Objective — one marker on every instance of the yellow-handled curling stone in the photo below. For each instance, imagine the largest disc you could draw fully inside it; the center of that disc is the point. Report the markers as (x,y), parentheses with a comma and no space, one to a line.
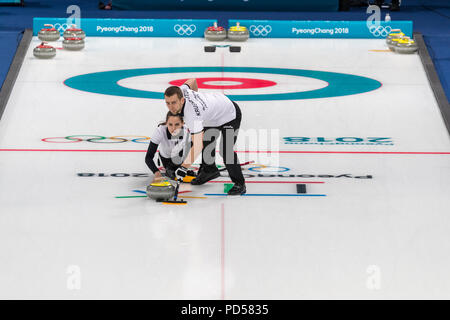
(161,191)
(238,33)
(394,44)
(406,46)
(165,191)
(390,39)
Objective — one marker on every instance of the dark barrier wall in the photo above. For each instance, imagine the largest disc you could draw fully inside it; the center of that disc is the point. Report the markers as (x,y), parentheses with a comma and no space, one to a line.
(245,5)
(10,2)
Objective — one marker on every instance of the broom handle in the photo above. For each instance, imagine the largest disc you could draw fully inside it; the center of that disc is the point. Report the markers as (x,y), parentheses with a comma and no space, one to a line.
(176,191)
(242,164)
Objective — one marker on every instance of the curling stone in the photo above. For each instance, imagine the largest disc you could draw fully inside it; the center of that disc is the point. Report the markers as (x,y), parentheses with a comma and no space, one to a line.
(74,32)
(238,33)
(44,51)
(73,43)
(49,33)
(162,191)
(396,34)
(406,46)
(215,33)
(393,43)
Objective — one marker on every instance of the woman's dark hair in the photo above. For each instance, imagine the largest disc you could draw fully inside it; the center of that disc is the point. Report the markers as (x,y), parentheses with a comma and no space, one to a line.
(168,115)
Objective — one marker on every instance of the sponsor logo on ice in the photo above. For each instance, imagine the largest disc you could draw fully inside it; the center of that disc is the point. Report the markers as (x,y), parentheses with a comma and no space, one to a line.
(385,141)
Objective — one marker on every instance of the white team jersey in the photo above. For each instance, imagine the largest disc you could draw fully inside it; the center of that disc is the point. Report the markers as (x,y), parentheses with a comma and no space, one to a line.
(170,146)
(211,109)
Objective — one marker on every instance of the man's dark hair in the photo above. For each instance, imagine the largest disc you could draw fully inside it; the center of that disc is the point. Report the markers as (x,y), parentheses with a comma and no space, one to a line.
(170,91)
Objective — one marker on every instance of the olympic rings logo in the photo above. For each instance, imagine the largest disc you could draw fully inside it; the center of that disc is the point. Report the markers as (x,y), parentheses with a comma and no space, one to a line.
(97,139)
(264,168)
(185,29)
(380,31)
(260,30)
(61,27)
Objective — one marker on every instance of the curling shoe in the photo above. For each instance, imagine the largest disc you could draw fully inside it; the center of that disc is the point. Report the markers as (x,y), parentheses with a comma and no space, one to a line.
(237,190)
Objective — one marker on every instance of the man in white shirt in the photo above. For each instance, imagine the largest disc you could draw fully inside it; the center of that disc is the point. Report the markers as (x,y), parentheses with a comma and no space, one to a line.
(206,116)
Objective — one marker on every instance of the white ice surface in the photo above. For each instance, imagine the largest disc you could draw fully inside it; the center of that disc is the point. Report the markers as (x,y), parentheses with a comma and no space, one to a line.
(261,247)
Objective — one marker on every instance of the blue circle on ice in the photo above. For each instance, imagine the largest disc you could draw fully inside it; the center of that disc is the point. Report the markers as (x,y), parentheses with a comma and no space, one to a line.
(339,84)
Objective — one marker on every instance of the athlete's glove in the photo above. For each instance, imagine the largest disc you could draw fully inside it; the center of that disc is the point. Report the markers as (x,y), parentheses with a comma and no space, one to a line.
(180,173)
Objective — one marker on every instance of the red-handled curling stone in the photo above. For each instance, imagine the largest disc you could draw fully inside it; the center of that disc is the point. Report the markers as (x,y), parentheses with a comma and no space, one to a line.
(74,31)
(44,51)
(49,33)
(215,33)
(73,43)
(216,28)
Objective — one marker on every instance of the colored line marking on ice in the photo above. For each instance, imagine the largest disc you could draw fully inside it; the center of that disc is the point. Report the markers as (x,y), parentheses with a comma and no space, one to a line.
(291,152)
(270,195)
(182,197)
(344,152)
(246,181)
(122,197)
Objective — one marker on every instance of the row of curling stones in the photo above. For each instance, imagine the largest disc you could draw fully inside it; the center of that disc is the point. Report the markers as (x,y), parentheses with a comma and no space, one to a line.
(49,33)
(398,42)
(73,41)
(235,33)
(46,51)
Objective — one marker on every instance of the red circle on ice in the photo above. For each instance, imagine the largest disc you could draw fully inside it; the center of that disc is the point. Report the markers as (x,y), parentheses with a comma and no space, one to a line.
(238,83)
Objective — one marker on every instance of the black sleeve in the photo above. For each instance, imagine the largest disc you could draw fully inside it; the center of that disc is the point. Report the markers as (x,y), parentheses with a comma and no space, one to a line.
(149,157)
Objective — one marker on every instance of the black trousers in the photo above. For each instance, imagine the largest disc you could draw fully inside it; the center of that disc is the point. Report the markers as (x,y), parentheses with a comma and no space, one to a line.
(168,164)
(229,132)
